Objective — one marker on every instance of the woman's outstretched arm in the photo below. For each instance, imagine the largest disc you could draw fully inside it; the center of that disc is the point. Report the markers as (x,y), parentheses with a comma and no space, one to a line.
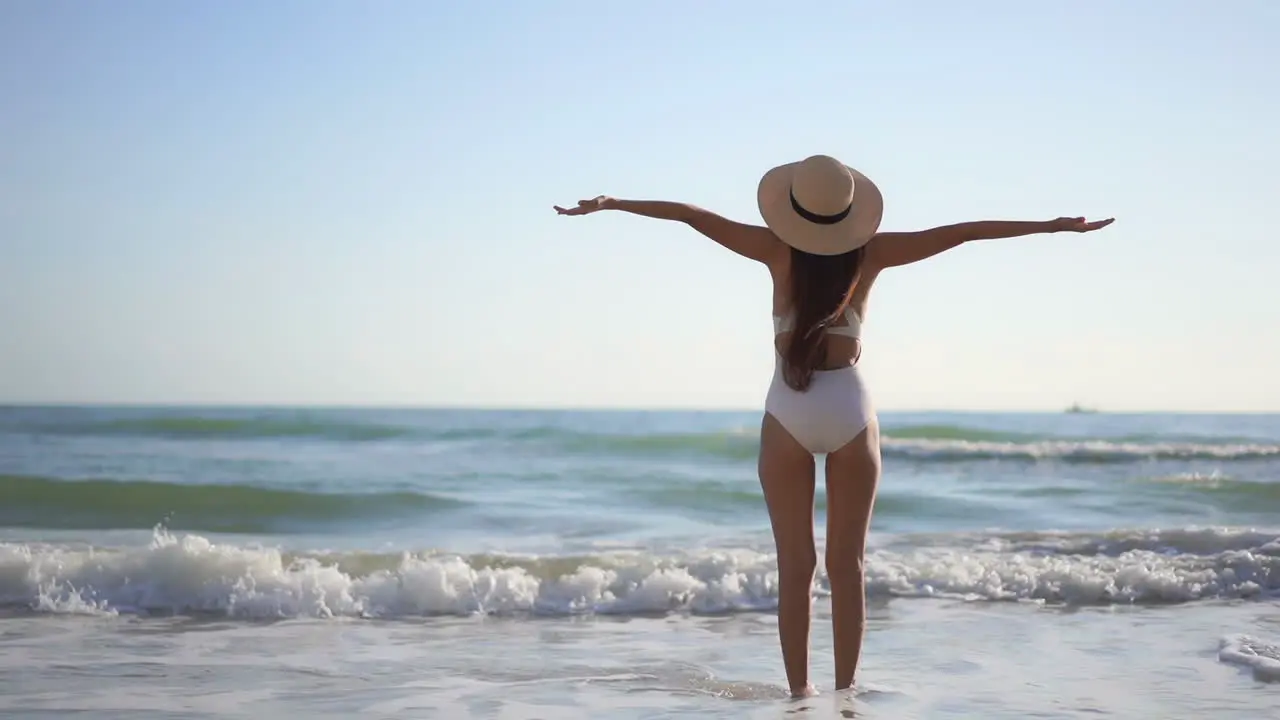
(892,249)
(751,241)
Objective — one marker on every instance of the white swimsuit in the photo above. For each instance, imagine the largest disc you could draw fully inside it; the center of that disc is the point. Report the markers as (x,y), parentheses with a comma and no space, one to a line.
(836,406)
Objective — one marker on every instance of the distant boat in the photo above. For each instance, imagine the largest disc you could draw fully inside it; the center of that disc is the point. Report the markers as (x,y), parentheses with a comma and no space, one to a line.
(1078,408)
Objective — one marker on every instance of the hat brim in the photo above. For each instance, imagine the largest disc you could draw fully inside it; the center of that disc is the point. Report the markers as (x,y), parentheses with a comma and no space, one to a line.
(773,197)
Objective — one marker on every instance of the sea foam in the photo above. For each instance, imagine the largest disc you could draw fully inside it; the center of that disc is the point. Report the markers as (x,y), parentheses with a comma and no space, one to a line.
(193,574)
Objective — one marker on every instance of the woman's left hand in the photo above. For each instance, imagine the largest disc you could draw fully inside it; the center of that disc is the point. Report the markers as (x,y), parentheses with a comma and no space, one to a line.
(1079,224)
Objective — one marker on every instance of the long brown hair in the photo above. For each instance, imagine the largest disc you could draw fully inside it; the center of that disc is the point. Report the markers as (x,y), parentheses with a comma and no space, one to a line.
(821,288)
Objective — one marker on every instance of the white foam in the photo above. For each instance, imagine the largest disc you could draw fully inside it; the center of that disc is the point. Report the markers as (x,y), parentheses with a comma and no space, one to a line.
(1262,658)
(1210,480)
(185,574)
(1077,450)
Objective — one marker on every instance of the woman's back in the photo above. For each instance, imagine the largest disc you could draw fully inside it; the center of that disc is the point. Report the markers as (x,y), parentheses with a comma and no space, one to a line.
(843,335)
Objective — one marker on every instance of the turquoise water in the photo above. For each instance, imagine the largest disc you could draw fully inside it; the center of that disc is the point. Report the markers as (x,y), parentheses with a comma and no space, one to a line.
(559,564)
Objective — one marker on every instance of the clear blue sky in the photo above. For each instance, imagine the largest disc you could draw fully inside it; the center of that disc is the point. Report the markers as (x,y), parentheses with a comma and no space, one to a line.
(350,202)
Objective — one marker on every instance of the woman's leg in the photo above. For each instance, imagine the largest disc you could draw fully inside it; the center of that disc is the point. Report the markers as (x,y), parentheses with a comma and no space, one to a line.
(787,478)
(853,472)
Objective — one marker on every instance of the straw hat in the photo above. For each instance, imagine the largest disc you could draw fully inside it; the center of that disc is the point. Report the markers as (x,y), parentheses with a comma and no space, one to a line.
(820,205)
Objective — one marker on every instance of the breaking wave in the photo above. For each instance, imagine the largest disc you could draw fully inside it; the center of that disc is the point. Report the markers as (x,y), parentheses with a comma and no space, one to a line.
(919,443)
(189,574)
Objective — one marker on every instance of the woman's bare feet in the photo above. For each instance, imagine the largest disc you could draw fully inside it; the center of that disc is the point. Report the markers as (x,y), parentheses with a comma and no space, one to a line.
(806,691)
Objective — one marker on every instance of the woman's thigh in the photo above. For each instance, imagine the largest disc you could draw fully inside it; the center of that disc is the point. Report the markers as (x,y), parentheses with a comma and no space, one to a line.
(853,476)
(787,479)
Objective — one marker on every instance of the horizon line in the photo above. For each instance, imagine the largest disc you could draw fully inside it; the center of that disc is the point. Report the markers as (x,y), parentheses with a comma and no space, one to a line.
(518,407)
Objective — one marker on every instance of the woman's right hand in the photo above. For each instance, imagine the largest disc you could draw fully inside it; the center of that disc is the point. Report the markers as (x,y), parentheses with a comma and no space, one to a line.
(599,202)
(1078,224)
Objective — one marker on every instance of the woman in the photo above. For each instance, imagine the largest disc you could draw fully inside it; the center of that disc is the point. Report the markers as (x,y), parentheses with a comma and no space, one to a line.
(823,251)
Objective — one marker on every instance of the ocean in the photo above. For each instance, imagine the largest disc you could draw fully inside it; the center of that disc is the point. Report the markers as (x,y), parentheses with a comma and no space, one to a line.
(264,563)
